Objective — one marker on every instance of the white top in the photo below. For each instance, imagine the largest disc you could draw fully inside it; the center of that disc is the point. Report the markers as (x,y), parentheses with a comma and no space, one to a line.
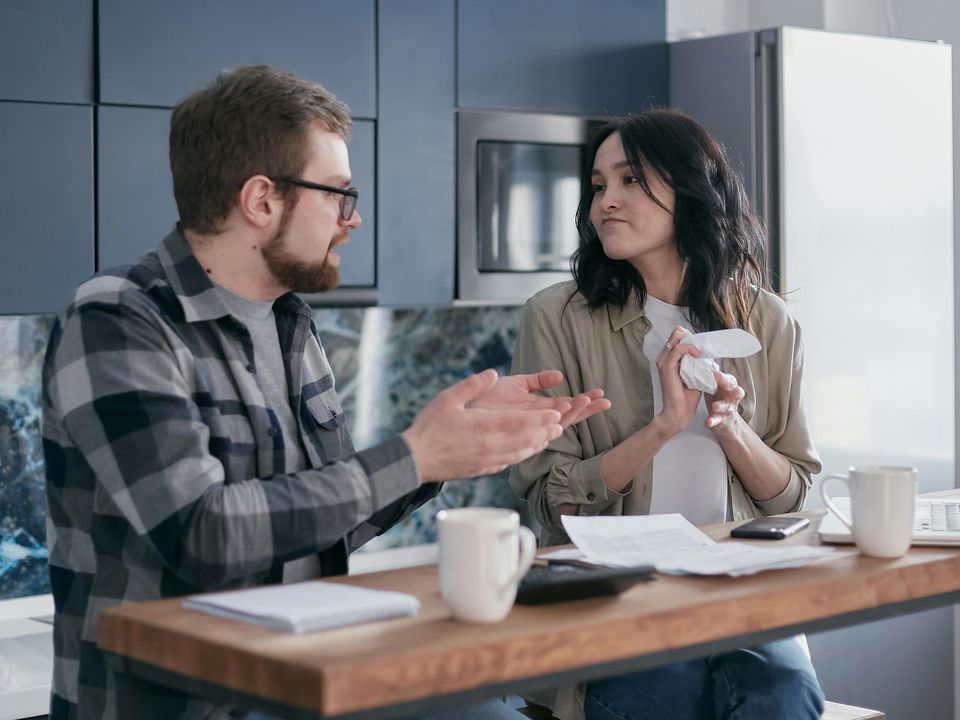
(690,471)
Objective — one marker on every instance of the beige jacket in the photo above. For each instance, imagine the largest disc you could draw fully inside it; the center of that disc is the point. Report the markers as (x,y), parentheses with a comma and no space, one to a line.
(605,349)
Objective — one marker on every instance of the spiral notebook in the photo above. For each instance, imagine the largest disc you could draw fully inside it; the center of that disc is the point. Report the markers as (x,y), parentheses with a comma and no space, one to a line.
(302,607)
(935,522)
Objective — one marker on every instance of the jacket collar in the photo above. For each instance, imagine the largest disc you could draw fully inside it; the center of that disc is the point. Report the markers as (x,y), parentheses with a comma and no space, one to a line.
(623,316)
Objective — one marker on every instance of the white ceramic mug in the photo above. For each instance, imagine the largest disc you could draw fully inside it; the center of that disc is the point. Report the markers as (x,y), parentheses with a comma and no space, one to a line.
(882,503)
(483,554)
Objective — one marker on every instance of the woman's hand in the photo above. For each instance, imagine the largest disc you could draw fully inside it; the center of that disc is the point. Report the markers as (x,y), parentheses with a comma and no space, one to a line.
(722,405)
(679,401)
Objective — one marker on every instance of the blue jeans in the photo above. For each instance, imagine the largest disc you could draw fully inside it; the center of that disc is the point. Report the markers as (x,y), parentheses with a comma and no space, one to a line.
(771,682)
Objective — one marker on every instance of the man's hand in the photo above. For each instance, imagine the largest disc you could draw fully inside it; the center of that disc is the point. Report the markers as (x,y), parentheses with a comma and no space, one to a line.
(452,438)
(517,392)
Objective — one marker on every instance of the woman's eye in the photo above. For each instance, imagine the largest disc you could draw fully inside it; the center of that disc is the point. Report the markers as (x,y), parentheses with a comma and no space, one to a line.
(597,188)
(630,180)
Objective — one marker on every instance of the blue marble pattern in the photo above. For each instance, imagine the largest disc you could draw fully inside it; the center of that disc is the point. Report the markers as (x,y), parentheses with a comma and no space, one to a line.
(388,365)
(23,555)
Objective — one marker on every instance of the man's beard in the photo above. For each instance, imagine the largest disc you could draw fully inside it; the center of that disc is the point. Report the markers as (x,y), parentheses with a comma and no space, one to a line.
(295,274)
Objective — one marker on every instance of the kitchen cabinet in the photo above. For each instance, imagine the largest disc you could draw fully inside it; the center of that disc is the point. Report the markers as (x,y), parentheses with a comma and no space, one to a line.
(135,204)
(46,50)
(416,152)
(404,67)
(154,53)
(358,256)
(46,204)
(565,56)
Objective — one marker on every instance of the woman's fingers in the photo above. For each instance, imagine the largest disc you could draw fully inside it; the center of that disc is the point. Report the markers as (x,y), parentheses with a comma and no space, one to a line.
(724,404)
(678,334)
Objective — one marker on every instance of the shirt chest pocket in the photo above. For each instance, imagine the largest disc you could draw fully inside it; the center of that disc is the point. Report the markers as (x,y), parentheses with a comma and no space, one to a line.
(330,437)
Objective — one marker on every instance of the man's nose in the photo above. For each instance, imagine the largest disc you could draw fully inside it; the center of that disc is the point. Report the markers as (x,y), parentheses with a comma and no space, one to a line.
(354,222)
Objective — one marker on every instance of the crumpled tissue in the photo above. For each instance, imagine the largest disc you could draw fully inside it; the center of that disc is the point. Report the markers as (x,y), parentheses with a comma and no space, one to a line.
(697,373)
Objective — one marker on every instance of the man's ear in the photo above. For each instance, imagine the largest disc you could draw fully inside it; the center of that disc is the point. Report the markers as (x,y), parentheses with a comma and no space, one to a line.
(259,203)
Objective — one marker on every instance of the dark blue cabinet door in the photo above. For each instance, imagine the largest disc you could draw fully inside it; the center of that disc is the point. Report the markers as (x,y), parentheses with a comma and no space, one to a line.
(135,206)
(135,201)
(570,56)
(155,53)
(358,256)
(46,204)
(46,50)
(415,160)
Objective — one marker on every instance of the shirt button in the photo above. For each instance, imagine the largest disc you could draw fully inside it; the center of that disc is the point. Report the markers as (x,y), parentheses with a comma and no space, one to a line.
(250,368)
(272,432)
(591,497)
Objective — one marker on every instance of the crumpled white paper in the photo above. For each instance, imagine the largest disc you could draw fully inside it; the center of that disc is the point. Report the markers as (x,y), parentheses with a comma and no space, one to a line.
(697,373)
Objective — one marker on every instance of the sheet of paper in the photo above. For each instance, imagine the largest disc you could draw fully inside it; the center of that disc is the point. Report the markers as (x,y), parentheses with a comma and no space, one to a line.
(674,546)
(632,539)
(732,558)
(730,343)
(564,554)
(697,373)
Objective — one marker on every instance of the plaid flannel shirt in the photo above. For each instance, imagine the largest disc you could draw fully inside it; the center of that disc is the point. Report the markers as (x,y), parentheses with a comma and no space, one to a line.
(165,468)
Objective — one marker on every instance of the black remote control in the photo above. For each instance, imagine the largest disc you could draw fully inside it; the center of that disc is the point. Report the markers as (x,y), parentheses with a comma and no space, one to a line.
(557,582)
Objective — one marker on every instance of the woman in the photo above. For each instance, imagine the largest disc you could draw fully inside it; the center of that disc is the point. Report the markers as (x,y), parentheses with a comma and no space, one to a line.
(670,246)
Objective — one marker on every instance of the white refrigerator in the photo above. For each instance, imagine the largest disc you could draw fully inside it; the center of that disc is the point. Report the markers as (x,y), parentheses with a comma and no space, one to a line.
(845,142)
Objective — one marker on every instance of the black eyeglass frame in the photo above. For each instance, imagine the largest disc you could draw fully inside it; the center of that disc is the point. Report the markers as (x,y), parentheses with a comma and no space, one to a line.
(348,203)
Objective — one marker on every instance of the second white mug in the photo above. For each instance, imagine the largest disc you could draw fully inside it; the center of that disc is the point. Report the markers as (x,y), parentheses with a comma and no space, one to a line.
(882,501)
(483,554)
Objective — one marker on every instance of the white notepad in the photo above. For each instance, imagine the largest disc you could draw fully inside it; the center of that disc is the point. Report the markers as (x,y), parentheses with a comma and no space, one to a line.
(936,522)
(301,607)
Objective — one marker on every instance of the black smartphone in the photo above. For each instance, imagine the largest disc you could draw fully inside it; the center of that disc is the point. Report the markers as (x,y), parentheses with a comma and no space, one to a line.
(770,528)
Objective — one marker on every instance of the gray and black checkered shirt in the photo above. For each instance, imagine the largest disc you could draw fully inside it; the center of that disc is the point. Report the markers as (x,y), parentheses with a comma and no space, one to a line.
(165,467)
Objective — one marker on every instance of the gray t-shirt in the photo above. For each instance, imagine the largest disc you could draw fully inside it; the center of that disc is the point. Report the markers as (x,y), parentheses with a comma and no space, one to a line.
(260,321)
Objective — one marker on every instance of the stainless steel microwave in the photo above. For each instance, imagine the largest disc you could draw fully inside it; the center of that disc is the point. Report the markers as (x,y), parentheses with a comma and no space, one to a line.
(519,179)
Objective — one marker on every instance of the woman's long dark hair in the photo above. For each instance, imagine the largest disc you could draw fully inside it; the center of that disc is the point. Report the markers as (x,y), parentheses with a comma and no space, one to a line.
(717,233)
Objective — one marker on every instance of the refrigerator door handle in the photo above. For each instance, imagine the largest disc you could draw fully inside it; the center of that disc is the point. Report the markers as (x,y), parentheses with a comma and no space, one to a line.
(767,77)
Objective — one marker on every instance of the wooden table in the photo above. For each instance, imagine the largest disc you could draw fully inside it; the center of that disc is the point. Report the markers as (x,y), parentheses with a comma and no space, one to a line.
(399,668)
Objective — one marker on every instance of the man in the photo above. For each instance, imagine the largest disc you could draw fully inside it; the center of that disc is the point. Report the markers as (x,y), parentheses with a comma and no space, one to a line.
(192,432)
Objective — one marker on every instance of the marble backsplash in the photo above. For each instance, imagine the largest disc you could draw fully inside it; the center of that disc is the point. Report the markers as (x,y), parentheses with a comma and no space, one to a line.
(388,365)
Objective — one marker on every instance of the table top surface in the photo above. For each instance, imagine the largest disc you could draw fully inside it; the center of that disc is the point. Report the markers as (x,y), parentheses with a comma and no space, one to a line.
(388,663)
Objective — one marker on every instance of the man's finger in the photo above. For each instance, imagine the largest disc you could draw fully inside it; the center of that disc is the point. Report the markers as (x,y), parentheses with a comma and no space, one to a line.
(576,408)
(470,388)
(597,406)
(513,422)
(542,380)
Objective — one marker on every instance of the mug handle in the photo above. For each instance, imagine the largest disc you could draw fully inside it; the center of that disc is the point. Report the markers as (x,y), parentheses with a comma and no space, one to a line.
(829,503)
(528,552)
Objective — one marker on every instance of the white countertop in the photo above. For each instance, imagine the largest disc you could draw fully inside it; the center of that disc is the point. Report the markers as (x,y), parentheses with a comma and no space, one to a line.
(26,657)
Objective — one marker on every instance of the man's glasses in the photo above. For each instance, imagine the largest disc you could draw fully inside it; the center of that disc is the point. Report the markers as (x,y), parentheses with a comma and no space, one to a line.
(348,196)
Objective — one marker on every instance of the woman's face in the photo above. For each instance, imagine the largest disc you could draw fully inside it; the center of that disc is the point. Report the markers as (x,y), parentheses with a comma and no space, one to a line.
(631,225)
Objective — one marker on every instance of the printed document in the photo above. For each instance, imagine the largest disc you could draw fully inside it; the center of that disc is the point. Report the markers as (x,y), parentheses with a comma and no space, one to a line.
(674,546)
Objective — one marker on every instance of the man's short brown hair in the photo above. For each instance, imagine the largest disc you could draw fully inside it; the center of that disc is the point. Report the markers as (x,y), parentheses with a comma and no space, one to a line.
(251,120)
